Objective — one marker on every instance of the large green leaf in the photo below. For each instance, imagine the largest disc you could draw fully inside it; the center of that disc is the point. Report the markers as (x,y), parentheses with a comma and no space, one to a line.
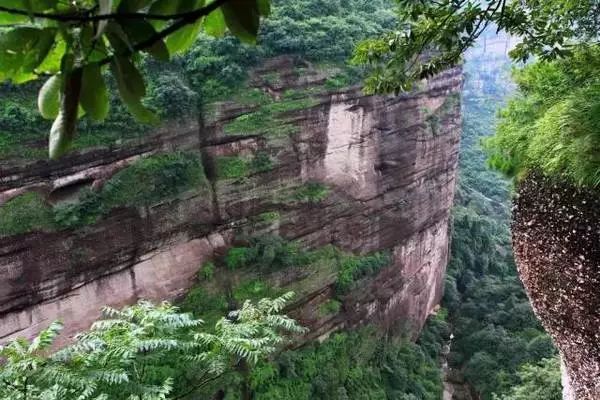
(23,5)
(49,97)
(242,18)
(132,89)
(163,7)
(182,39)
(138,31)
(94,93)
(63,129)
(214,23)
(22,50)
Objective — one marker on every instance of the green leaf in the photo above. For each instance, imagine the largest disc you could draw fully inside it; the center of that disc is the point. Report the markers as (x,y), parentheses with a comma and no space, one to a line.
(49,97)
(22,50)
(133,5)
(63,129)
(51,64)
(214,23)
(138,31)
(264,7)
(242,18)
(185,37)
(94,93)
(163,7)
(131,88)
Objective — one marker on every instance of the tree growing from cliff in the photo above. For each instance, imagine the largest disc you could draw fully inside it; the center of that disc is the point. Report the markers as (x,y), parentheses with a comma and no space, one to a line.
(433,35)
(144,351)
(70,44)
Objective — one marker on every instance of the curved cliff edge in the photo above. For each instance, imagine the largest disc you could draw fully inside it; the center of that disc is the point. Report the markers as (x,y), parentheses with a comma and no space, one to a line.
(388,163)
(556,240)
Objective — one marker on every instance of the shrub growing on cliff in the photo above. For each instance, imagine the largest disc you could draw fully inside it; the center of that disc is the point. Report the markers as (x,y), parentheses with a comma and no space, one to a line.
(267,253)
(25,213)
(154,178)
(352,268)
(145,182)
(144,351)
(554,124)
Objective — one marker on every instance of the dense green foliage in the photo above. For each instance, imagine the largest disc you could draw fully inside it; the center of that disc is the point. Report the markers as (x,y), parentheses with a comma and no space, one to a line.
(237,168)
(356,365)
(496,333)
(553,124)
(214,68)
(145,182)
(433,35)
(142,352)
(75,43)
(25,213)
(538,382)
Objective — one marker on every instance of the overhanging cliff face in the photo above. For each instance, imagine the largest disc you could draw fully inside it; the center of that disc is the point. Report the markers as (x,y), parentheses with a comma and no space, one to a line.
(555,239)
(385,166)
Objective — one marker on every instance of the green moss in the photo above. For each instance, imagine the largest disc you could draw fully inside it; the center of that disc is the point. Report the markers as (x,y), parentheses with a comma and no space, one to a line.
(267,217)
(352,268)
(330,307)
(254,290)
(25,213)
(152,179)
(145,182)
(311,192)
(268,119)
(207,271)
(237,168)
(232,167)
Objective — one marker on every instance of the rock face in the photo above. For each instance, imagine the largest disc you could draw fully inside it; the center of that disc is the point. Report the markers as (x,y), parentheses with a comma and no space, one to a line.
(388,165)
(556,232)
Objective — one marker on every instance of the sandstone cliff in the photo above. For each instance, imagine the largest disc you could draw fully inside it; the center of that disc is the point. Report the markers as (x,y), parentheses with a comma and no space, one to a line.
(385,168)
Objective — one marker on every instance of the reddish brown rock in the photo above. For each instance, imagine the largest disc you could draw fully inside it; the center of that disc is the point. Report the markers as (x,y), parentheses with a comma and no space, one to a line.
(389,164)
(556,238)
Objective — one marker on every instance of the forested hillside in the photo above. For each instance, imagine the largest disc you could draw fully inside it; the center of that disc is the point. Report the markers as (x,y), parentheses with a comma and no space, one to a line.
(322,32)
(496,334)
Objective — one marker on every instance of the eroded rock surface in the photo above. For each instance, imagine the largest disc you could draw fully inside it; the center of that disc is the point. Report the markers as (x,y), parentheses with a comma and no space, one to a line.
(556,238)
(389,164)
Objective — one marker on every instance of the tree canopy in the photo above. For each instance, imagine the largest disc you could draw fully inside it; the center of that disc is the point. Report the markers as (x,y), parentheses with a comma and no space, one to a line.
(433,35)
(71,43)
(144,351)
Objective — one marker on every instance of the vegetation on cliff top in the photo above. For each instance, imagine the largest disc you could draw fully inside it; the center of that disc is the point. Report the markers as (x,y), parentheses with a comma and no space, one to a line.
(553,124)
(146,181)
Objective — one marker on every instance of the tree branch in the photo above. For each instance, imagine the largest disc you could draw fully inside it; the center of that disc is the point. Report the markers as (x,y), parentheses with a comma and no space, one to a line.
(189,18)
(85,16)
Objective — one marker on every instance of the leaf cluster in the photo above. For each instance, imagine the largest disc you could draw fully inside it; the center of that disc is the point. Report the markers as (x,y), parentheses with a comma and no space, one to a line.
(75,41)
(144,351)
(433,35)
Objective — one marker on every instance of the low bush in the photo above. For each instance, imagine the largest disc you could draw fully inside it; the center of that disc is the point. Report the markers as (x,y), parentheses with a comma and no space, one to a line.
(25,213)
(311,192)
(352,268)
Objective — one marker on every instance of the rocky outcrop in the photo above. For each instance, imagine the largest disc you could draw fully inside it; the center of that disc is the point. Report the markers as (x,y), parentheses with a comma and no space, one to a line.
(556,232)
(387,165)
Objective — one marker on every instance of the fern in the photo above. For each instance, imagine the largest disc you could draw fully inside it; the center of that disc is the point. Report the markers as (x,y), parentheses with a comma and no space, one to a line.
(142,352)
